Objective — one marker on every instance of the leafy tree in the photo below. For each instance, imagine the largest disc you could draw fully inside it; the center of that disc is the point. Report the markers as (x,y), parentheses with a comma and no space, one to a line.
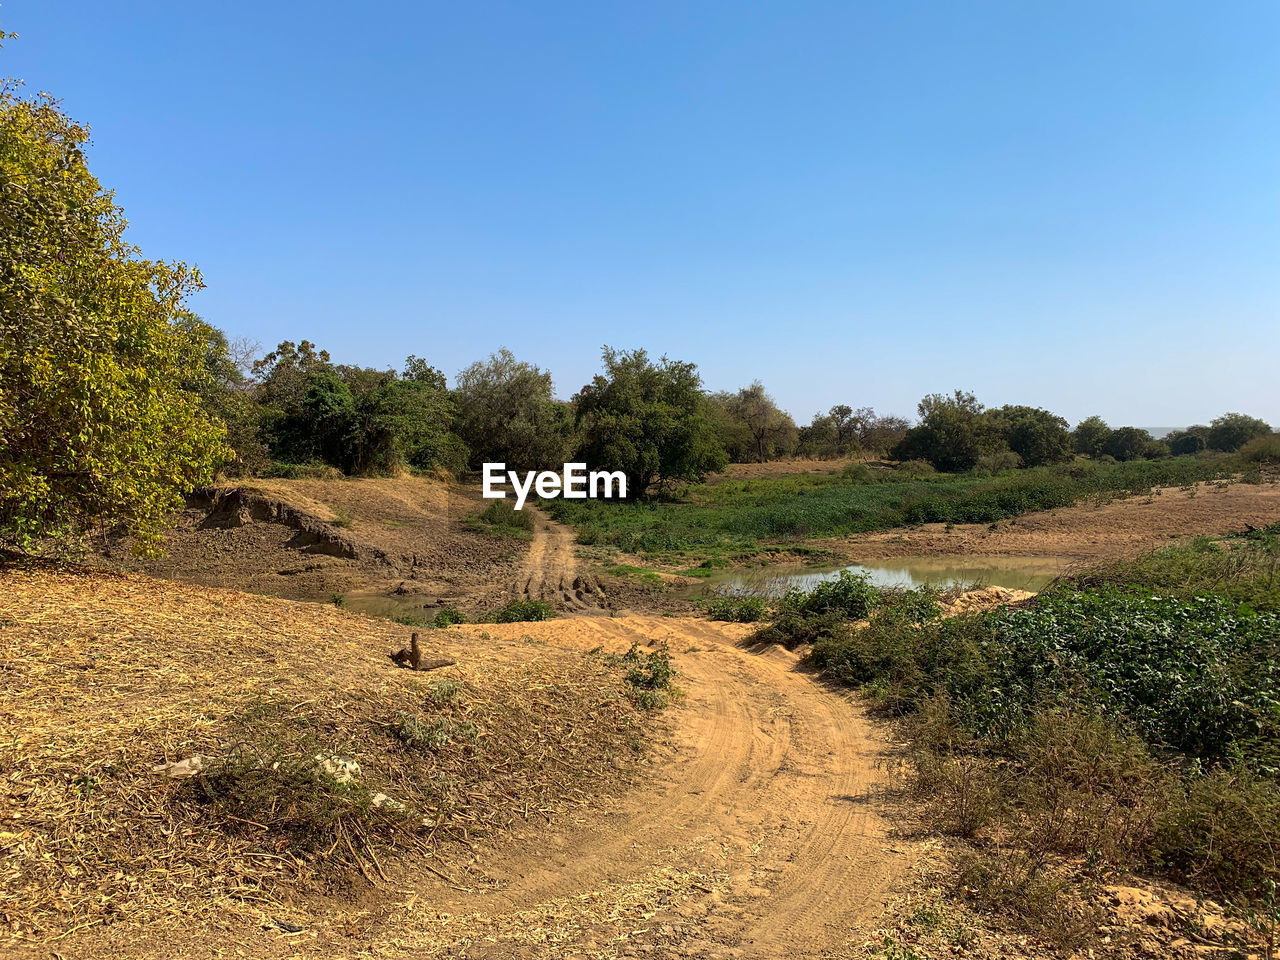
(357,419)
(650,420)
(1090,436)
(1191,440)
(507,413)
(285,379)
(772,432)
(1231,431)
(952,434)
(100,429)
(880,434)
(1037,436)
(1128,443)
(820,438)
(226,391)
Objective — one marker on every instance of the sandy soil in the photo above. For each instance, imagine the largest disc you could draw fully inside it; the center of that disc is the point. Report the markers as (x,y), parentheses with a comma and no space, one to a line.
(1084,532)
(402,538)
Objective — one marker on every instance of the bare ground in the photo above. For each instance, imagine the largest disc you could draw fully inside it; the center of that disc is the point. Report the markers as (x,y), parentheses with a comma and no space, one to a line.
(1084,532)
(314,539)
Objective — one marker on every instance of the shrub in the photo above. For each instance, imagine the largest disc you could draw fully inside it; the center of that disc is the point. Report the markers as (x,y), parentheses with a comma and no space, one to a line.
(1231,431)
(993,463)
(916,468)
(736,609)
(1224,832)
(521,611)
(850,594)
(502,518)
(447,616)
(858,473)
(1262,449)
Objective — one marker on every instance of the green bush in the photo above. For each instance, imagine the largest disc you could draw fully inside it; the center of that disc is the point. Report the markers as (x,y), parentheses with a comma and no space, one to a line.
(736,609)
(850,595)
(1263,449)
(994,463)
(916,468)
(501,518)
(521,611)
(447,616)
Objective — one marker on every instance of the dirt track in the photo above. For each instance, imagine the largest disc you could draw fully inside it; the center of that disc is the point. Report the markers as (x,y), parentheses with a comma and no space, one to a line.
(760,831)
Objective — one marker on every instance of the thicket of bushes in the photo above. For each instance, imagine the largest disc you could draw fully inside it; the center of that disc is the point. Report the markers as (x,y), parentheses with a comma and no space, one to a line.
(1127,719)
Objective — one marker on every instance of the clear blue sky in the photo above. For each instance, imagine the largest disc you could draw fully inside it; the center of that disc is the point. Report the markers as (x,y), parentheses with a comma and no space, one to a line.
(1073,204)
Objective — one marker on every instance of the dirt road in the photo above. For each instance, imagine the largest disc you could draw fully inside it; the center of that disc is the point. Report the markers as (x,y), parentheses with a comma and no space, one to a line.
(755,833)
(550,569)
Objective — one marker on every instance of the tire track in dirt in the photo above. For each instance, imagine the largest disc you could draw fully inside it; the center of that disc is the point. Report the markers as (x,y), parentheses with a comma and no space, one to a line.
(550,569)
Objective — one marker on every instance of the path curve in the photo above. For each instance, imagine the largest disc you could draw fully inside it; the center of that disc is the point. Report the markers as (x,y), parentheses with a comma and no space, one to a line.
(758,835)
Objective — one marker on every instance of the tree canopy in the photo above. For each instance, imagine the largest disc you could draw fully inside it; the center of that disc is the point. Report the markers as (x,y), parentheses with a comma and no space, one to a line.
(649,420)
(101,429)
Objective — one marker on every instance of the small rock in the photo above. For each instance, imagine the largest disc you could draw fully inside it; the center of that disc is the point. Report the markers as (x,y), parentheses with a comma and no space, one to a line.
(180,769)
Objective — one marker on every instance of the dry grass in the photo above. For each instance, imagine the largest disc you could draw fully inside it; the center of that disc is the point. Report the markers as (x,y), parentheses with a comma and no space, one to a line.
(104,677)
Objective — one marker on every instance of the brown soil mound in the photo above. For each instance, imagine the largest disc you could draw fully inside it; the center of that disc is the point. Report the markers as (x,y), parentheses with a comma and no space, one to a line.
(314,539)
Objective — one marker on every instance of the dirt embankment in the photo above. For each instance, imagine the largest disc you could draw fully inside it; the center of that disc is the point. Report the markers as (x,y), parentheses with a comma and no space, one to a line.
(1085,532)
(316,539)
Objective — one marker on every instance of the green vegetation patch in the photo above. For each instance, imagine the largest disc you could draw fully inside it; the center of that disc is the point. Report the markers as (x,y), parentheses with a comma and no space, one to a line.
(738,517)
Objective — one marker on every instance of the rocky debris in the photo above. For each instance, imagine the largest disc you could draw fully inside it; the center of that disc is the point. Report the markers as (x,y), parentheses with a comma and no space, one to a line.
(343,771)
(180,769)
(985,598)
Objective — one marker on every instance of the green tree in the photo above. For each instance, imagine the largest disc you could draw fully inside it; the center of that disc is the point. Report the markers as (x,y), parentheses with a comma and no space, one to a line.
(507,413)
(771,431)
(952,434)
(650,420)
(1037,436)
(100,430)
(1231,431)
(226,391)
(1191,440)
(1128,443)
(1090,436)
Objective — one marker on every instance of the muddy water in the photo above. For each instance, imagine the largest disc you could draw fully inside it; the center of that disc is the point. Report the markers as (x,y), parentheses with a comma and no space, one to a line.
(1020,573)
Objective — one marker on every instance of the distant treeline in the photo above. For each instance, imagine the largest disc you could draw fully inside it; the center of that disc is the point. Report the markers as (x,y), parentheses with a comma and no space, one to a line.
(651,419)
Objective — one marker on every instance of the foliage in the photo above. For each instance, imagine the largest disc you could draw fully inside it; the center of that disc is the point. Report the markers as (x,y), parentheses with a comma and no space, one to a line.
(100,428)
(1127,443)
(1231,431)
(357,419)
(1262,449)
(1035,435)
(737,516)
(1090,435)
(1191,440)
(447,616)
(508,414)
(649,420)
(500,517)
(524,611)
(736,609)
(751,426)
(952,433)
